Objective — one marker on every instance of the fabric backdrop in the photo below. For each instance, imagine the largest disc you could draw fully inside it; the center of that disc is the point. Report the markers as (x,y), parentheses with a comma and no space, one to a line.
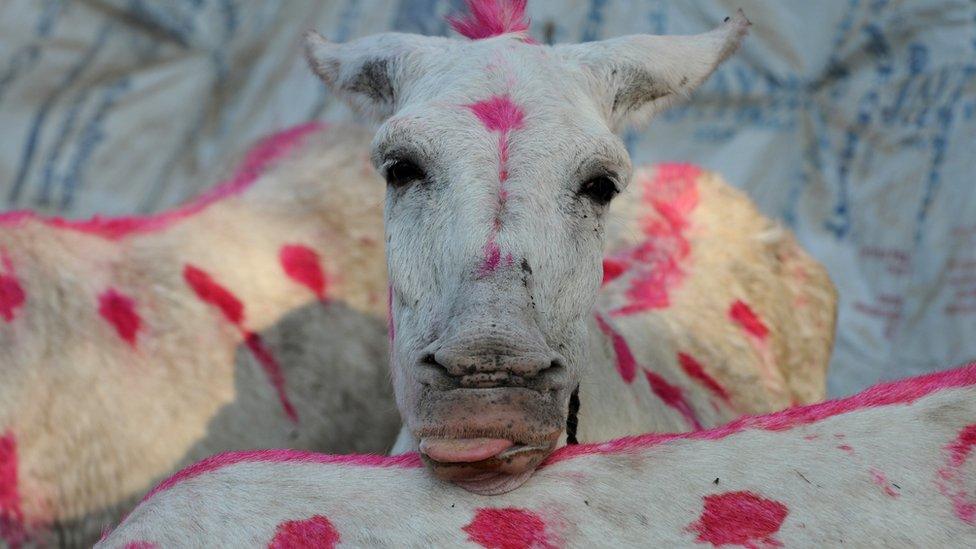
(853,121)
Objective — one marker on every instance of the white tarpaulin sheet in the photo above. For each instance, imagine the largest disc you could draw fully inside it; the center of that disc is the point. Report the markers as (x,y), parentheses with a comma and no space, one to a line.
(853,121)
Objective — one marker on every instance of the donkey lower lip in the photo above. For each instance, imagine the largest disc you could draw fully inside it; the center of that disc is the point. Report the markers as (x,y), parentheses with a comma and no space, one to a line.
(500,473)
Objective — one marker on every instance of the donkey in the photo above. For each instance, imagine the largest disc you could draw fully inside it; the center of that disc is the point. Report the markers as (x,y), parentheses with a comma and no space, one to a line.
(253,317)
(894,466)
(501,160)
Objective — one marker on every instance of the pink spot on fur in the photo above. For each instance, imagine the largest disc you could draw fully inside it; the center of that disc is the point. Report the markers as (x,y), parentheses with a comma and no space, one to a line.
(141,545)
(491,259)
(881,480)
(487,18)
(258,160)
(499,114)
(212,293)
(626,363)
(740,518)
(672,396)
(316,532)
(273,370)
(951,478)
(811,437)
(12,530)
(508,528)
(219,461)
(301,264)
(612,269)
(695,371)
(657,261)
(12,294)
(847,448)
(745,317)
(119,310)
(901,392)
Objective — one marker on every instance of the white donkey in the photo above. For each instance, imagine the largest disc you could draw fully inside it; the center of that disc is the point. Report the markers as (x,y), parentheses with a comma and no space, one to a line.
(501,161)
(251,317)
(894,466)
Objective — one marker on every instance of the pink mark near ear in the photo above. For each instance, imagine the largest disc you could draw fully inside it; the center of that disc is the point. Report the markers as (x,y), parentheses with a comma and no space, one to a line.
(12,294)
(301,264)
(612,269)
(951,478)
(657,262)
(672,396)
(695,371)
(740,518)
(881,480)
(316,532)
(745,317)
(626,363)
(119,310)
(489,18)
(12,531)
(508,528)
(212,293)
(141,545)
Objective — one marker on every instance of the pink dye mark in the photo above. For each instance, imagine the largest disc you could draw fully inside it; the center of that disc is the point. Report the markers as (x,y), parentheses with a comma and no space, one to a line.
(141,545)
(258,160)
(273,371)
(745,317)
(672,396)
(492,258)
(12,295)
(656,262)
(612,269)
(508,528)
(847,448)
(12,530)
(811,437)
(881,480)
(219,461)
(211,292)
(316,532)
(498,114)
(119,310)
(740,518)
(626,363)
(695,371)
(487,18)
(901,392)
(301,264)
(951,478)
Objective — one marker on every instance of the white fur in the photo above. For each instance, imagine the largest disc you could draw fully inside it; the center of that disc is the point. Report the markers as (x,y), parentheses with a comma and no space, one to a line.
(871,477)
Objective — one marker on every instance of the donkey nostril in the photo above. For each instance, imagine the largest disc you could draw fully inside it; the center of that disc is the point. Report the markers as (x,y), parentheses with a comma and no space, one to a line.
(555,364)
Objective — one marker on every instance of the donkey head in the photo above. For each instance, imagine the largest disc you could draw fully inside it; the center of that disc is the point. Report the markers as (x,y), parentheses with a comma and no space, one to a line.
(501,158)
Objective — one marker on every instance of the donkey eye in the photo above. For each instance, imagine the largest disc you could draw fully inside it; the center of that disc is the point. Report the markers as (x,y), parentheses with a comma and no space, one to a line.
(600,189)
(402,172)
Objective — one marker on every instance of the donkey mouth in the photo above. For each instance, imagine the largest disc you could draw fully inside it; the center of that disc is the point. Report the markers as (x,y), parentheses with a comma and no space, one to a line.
(486,466)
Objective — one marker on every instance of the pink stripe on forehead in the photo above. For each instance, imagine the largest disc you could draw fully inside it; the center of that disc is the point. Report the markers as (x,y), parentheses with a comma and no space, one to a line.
(499,113)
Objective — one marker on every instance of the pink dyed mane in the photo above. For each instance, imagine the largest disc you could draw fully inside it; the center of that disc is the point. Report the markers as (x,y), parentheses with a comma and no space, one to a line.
(487,18)
(257,161)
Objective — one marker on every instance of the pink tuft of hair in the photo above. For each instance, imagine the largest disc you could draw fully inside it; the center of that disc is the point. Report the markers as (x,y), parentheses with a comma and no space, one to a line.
(487,18)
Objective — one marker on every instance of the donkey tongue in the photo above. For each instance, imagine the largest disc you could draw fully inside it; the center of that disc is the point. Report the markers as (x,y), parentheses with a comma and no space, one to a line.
(463,450)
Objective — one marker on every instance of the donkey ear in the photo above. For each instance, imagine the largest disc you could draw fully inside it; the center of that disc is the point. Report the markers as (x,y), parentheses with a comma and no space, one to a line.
(635,77)
(370,73)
